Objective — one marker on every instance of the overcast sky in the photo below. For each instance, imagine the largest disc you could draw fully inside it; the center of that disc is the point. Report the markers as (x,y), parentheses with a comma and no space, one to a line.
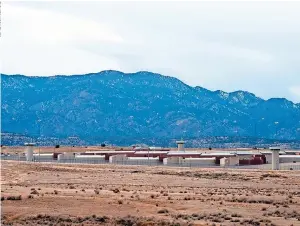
(252,46)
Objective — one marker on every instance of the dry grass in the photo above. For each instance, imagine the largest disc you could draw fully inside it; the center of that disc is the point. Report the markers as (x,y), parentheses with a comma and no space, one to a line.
(151,195)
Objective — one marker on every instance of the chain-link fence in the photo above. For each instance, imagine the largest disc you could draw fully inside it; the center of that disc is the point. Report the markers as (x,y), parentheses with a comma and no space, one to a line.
(283,166)
(295,166)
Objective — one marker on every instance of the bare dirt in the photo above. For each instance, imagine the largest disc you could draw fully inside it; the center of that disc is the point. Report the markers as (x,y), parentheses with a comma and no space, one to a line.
(76,194)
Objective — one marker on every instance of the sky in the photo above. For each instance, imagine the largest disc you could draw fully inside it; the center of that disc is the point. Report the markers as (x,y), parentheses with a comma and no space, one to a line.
(251,46)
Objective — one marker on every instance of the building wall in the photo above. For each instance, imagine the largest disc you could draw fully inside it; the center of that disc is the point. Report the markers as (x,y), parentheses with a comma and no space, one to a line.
(171,160)
(230,161)
(143,159)
(197,161)
(234,161)
(283,159)
(268,158)
(90,158)
(117,158)
(66,156)
(43,156)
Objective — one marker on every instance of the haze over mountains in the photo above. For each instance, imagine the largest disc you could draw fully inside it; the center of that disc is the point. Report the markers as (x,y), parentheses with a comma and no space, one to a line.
(112,105)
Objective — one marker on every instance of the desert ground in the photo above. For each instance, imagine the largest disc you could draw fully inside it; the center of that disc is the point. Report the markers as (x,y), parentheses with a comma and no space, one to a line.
(76,194)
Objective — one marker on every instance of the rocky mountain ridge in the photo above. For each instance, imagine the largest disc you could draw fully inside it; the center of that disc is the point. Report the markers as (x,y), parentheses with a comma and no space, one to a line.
(110,105)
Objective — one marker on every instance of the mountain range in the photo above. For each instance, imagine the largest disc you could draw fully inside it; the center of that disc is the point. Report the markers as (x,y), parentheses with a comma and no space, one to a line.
(112,105)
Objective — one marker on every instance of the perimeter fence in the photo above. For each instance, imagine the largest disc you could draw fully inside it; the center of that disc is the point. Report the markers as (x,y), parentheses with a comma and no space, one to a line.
(21,158)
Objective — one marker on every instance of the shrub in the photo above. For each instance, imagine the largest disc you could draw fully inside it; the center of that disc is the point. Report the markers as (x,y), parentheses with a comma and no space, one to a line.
(120,202)
(2,198)
(163,211)
(116,190)
(30,196)
(100,219)
(18,197)
(34,192)
(57,146)
(96,192)
(216,219)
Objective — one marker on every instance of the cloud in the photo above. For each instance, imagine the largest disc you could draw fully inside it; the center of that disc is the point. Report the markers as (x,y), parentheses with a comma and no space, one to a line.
(52,27)
(231,46)
(43,42)
(295,91)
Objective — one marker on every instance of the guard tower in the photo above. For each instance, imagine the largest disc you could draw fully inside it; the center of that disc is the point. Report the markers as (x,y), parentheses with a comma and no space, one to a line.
(180,144)
(275,157)
(29,151)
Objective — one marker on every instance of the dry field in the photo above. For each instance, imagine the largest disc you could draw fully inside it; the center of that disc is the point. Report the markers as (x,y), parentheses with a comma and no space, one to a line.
(71,194)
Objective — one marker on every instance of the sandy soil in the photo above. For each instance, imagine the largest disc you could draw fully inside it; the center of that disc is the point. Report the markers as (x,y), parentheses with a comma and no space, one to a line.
(63,194)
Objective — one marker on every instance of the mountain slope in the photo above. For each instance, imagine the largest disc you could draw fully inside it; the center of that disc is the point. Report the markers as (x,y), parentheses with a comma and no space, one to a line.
(112,104)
